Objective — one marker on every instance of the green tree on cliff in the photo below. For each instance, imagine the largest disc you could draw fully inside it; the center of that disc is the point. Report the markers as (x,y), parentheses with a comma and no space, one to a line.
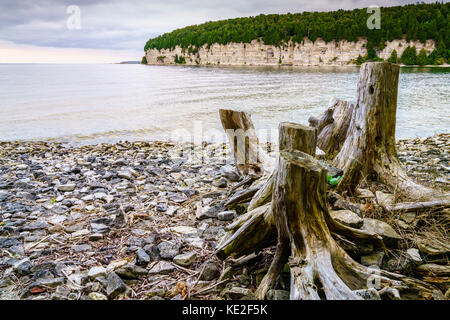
(371,54)
(409,56)
(359,61)
(179,59)
(393,57)
(422,58)
(442,50)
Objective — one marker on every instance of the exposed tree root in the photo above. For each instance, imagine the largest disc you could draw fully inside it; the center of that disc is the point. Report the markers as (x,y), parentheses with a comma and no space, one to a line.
(253,232)
(418,206)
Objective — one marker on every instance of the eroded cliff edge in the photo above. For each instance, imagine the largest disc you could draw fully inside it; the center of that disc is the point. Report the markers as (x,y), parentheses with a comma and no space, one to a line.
(307,53)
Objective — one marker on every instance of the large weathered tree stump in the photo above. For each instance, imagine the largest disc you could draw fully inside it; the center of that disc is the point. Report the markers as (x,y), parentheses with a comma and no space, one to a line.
(290,202)
(292,136)
(290,207)
(368,148)
(299,212)
(240,239)
(320,268)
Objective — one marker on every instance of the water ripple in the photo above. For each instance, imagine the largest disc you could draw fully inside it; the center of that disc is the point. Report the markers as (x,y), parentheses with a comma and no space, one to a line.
(107,103)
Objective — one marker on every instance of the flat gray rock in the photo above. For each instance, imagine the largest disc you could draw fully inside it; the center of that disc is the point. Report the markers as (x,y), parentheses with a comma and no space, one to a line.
(99,228)
(226,215)
(125,175)
(8,242)
(390,237)
(115,285)
(162,267)
(49,282)
(81,247)
(131,271)
(95,272)
(237,293)
(67,187)
(168,250)
(185,259)
(37,225)
(22,267)
(347,217)
(142,258)
(210,271)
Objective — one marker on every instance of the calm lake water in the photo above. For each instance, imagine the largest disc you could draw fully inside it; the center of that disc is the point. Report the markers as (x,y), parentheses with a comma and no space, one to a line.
(84,104)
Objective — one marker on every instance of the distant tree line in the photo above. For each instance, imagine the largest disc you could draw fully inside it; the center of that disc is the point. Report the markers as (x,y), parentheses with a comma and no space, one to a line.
(415,21)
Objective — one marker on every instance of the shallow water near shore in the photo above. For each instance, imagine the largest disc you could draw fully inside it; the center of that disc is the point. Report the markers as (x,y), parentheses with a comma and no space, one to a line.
(85,104)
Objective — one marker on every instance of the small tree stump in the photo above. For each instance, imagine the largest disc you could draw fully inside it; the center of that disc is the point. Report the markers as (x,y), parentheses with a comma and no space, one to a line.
(294,136)
(244,143)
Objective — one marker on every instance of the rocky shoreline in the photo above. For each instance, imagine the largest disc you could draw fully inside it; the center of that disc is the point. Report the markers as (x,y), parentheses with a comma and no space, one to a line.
(140,220)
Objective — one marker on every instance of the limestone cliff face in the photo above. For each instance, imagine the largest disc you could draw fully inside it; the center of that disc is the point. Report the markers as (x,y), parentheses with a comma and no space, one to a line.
(307,53)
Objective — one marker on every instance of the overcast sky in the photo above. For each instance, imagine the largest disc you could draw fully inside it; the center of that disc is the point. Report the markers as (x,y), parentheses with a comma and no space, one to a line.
(113,29)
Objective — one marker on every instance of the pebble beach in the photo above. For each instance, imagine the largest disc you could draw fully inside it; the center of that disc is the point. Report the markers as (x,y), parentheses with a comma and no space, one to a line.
(137,220)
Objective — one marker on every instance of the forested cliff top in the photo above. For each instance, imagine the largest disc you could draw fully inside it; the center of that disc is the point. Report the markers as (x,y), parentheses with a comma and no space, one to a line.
(416,22)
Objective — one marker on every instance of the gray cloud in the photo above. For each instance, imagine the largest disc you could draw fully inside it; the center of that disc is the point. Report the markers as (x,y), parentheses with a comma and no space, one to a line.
(120,25)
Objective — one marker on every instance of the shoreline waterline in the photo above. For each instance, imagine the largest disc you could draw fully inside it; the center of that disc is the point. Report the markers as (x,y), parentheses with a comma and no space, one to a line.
(89,140)
(286,66)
